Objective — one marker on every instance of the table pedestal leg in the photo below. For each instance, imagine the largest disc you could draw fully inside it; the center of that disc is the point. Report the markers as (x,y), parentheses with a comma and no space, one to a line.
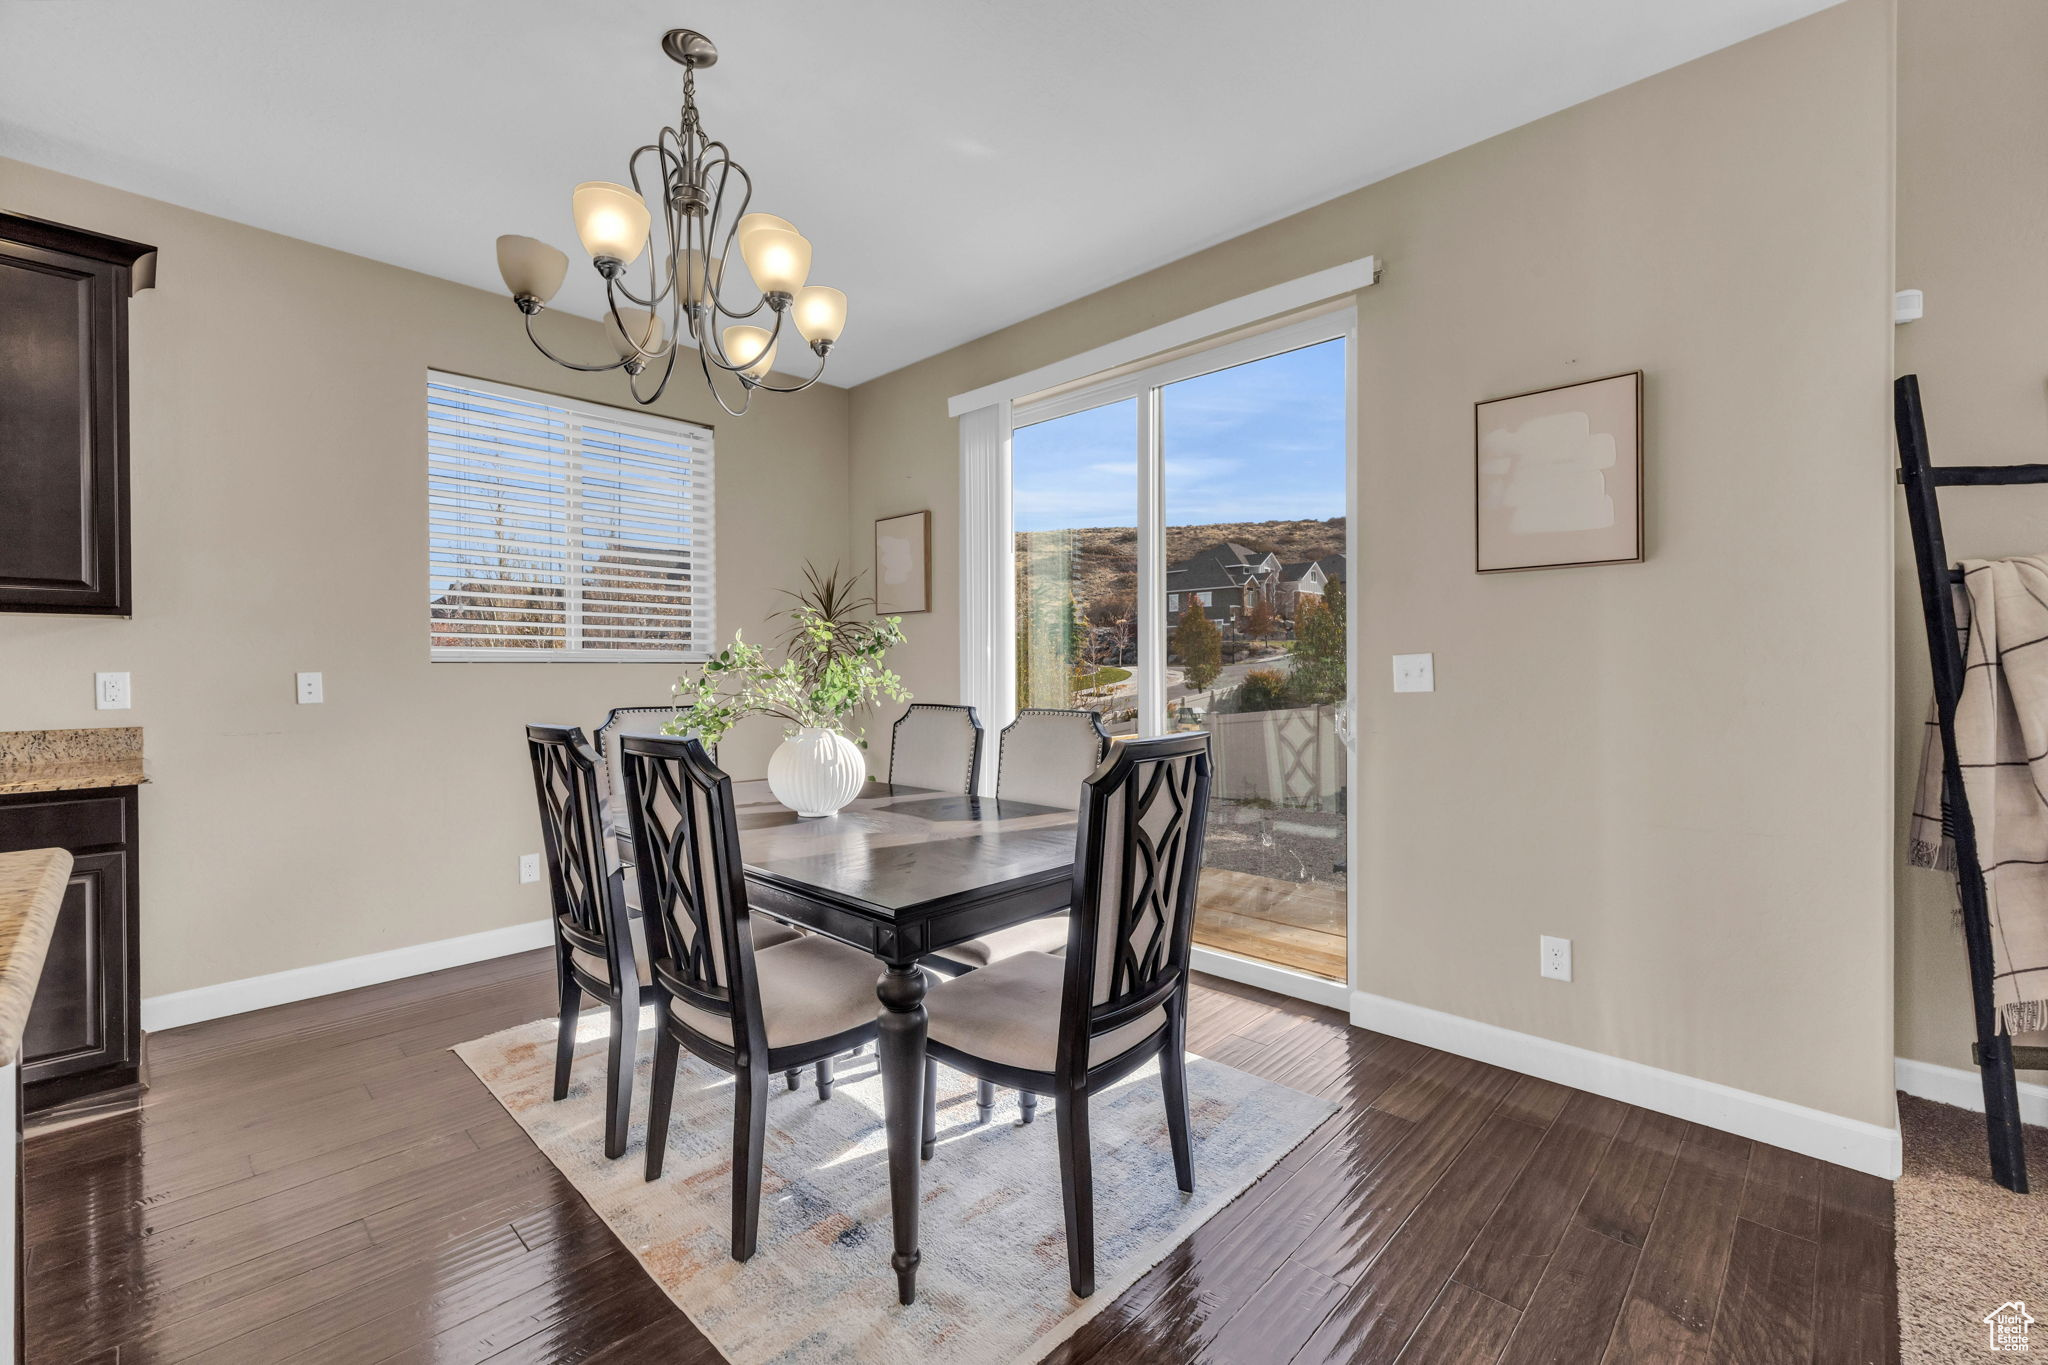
(901,991)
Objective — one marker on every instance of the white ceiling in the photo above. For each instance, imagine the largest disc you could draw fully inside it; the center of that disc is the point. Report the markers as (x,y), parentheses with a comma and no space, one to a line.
(958,164)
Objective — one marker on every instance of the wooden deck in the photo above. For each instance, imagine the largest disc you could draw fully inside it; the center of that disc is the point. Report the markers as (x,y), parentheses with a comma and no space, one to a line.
(325,1182)
(1294,924)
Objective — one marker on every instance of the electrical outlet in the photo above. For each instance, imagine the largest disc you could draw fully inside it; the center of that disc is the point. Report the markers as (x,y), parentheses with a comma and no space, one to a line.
(1415,672)
(1556,959)
(311,690)
(529,867)
(110,691)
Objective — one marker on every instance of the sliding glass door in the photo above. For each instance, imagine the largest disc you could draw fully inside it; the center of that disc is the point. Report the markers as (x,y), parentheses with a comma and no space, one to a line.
(1074,506)
(1255,615)
(1181,562)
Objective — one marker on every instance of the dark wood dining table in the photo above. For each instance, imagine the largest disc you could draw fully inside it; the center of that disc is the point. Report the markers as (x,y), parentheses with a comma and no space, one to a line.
(899,874)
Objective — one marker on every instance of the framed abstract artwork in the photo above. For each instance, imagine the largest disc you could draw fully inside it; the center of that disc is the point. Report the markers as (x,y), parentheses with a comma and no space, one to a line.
(903,564)
(1558,476)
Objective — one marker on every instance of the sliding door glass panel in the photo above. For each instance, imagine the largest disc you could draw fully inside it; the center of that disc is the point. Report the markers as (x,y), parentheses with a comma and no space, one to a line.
(1074,499)
(1255,632)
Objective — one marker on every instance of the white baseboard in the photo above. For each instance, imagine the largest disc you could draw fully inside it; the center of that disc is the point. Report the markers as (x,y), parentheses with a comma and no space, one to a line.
(1843,1141)
(325,978)
(1245,971)
(1962,1088)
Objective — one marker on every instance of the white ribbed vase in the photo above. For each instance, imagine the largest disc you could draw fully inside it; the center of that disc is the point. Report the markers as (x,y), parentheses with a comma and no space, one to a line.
(816,771)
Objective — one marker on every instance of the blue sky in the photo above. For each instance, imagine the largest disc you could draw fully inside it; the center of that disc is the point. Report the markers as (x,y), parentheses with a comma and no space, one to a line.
(1257,442)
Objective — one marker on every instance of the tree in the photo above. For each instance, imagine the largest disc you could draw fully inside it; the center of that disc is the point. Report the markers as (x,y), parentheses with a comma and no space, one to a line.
(1199,645)
(1319,668)
(1259,620)
(1055,635)
(1109,610)
(1263,689)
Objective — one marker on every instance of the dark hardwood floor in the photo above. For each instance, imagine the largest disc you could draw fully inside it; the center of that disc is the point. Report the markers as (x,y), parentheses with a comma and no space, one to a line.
(325,1182)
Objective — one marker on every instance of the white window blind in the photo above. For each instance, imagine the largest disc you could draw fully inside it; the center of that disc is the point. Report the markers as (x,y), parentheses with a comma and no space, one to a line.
(558,529)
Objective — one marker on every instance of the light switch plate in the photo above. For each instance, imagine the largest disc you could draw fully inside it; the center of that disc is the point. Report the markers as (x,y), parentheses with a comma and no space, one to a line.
(311,690)
(1415,672)
(110,691)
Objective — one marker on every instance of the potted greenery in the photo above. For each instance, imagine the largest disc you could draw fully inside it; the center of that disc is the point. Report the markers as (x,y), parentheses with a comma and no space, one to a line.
(832,666)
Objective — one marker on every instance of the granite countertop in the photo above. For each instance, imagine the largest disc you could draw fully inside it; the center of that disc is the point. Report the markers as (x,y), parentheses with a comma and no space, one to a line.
(70,760)
(31,888)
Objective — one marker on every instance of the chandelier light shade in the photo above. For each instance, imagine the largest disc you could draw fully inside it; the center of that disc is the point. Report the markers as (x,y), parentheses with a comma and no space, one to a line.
(633,331)
(753,348)
(530,267)
(696,266)
(687,211)
(612,220)
(778,259)
(820,313)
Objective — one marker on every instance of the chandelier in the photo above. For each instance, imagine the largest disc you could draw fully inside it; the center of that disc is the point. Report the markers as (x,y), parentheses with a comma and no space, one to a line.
(701,196)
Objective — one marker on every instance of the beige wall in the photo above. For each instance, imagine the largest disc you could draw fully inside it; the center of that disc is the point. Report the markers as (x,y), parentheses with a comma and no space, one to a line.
(279,479)
(1973,230)
(1685,765)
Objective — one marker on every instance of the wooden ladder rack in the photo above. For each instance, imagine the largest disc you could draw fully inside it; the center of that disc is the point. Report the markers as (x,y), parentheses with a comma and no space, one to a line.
(1922,480)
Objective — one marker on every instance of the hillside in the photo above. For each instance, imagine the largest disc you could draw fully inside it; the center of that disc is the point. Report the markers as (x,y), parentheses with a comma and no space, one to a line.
(1103,555)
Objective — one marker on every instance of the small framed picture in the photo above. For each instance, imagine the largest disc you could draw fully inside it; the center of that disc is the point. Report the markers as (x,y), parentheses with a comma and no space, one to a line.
(1558,476)
(903,564)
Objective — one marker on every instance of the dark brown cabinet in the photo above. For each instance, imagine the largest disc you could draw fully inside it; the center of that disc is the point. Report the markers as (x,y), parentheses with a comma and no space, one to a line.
(64,416)
(84,1029)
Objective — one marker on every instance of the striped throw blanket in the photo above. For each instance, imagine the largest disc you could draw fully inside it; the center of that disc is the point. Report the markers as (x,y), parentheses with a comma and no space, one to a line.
(2002,745)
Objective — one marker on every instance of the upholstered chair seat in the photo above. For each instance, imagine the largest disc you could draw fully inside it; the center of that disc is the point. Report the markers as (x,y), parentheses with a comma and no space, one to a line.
(1009,1014)
(811,988)
(767,934)
(1048,935)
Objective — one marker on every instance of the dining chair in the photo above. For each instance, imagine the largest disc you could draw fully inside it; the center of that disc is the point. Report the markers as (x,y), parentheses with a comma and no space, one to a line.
(747,1010)
(937,746)
(600,945)
(1045,754)
(1070,1026)
(593,931)
(618,722)
(1043,757)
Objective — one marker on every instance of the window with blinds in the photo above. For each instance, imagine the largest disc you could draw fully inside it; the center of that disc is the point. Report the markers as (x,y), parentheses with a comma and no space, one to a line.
(558,529)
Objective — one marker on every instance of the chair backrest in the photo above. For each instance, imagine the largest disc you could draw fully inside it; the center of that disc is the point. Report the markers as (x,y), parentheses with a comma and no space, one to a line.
(1137,867)
(624,720)
(619,722)
(936,746)
(629,720)
(1046,754)
(693,886)
(588,916)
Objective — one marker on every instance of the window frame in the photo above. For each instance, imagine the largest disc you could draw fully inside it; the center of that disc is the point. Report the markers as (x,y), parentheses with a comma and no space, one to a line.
(1145,383)
(703,512)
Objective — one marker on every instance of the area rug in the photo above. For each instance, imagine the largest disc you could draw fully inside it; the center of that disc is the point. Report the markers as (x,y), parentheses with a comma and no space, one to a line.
(1967,1247)
(993,1283)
